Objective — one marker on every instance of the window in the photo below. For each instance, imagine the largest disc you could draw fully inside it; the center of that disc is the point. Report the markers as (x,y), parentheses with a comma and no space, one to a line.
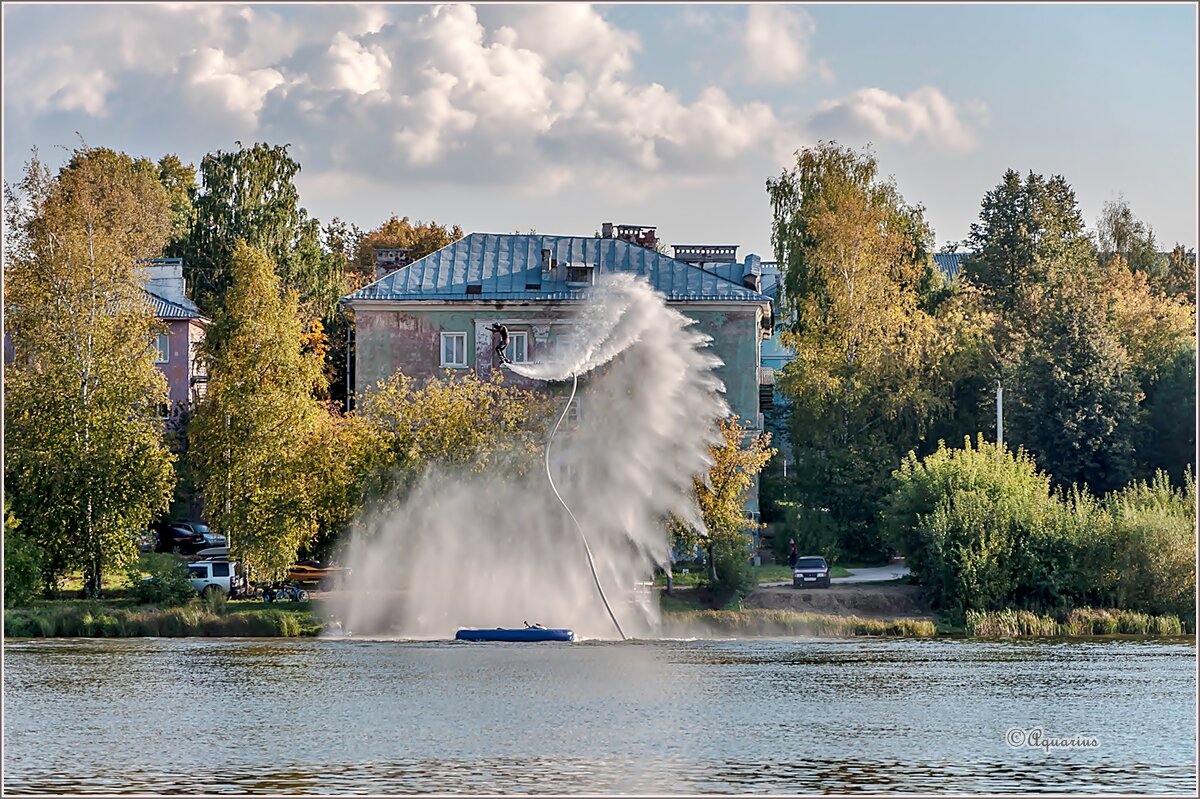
(162,348)
(518,347)
(200,572)
(579,275)
(454,350)
(220,569)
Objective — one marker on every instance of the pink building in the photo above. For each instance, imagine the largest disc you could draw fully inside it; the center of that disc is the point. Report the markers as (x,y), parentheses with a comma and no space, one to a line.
(176,350)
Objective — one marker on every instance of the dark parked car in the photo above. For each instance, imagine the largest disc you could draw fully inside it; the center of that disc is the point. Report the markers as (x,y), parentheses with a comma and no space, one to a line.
(810,571)
(211,539)
(174,538)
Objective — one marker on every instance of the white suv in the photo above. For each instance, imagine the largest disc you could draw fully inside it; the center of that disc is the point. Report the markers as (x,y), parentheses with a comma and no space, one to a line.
(207,576)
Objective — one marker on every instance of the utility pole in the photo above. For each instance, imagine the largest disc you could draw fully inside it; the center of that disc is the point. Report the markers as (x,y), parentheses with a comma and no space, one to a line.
(999,414)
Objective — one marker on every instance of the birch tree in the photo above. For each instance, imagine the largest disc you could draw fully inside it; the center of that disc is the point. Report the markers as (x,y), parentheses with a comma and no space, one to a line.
(858,288)
(86,463)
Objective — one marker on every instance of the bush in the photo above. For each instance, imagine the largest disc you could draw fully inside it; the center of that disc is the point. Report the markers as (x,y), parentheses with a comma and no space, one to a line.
(735,577)
(983,531)
(167,584)
(22,564)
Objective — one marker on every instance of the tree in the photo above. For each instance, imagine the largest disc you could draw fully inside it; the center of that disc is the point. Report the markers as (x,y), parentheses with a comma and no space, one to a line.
(1077,406)
(179,179)
(1167,438)
(421,238)
(1120,233)
(251,438)
(721,496)
(250,195)
(1027,233)
(464,422)
(86,460)
(1180,277)
(860,294)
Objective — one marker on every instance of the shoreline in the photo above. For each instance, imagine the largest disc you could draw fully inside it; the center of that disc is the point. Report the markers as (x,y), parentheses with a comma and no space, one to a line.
(97,619)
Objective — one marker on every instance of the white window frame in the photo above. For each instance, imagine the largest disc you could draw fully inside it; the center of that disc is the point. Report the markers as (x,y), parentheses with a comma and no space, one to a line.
(162,354)
(512,351)
(442,353)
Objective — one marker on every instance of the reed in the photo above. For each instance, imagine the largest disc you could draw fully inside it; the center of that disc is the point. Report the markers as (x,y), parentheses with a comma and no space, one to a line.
(759,621)
(95,620)
(1076,622)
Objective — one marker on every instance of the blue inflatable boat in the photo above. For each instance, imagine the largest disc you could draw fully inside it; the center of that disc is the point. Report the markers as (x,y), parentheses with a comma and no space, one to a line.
(516,634)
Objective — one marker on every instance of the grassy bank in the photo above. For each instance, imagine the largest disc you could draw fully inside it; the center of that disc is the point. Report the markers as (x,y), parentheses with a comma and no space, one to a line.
(1078,622)
(92,619)
(758,621)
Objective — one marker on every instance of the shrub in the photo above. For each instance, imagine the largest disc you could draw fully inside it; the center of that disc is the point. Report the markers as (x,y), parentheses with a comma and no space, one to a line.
(167,584)
(735,577)
(22,564)
(983,531)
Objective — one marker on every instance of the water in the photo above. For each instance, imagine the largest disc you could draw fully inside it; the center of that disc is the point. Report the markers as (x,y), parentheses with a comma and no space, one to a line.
(761,716)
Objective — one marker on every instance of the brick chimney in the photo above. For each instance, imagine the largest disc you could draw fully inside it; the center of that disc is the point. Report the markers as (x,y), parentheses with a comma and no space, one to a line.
(389,259)
(641,235)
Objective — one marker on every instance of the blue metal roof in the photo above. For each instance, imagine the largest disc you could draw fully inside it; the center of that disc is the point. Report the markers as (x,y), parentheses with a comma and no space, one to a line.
(501,266)
(950,263)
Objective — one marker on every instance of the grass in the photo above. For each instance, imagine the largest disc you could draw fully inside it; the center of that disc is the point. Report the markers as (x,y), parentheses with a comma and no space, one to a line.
(1077,622)
(121,618)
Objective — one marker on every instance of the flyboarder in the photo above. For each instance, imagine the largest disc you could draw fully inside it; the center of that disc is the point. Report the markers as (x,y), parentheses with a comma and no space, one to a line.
(503,345)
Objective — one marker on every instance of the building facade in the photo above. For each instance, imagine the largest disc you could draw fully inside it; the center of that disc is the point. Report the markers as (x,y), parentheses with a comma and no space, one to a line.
(176,350)
(432,315)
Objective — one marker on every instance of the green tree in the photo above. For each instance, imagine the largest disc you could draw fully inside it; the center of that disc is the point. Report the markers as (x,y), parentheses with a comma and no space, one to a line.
(1120,233)
(251,438)
(1167,439)
(86,460)
(860,294)
(1028,232)
(1180,277)
(1077,406)
(22,563)
(179,179)
(250,195)
(463,422)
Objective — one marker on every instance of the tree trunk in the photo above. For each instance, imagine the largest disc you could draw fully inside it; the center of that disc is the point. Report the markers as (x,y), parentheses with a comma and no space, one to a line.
(712,565)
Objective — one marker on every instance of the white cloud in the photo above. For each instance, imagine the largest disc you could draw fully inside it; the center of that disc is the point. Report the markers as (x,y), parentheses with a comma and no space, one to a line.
(219,78)
(777,40)
(357,68)
(534,97)
(924,113)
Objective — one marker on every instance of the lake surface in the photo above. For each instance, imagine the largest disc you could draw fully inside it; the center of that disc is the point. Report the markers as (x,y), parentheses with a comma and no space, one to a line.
(747,716)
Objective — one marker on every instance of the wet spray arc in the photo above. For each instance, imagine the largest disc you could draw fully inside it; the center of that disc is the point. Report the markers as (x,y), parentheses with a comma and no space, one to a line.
(487,549)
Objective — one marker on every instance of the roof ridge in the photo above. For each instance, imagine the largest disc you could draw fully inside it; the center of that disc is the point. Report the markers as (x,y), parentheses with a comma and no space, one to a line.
(502,256)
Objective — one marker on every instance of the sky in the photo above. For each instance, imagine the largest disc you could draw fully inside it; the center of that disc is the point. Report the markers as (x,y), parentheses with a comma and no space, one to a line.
(559,117)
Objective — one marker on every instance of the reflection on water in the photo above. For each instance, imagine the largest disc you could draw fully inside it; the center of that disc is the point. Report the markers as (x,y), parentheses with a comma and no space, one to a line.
(782,716)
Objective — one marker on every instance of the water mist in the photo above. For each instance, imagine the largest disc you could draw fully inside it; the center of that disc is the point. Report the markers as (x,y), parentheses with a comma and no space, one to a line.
(495,550)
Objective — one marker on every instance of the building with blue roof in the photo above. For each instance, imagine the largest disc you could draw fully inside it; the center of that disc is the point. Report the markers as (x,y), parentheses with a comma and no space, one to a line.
(432,315)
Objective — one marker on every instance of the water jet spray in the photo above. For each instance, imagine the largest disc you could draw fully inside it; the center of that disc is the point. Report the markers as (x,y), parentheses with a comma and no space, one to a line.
(488,548)
(578,526)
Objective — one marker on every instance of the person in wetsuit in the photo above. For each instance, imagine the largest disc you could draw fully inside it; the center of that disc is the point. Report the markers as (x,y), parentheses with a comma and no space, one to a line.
(503,345)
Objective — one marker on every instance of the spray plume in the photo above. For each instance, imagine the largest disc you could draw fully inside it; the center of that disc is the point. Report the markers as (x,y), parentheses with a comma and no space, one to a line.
(494,550)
